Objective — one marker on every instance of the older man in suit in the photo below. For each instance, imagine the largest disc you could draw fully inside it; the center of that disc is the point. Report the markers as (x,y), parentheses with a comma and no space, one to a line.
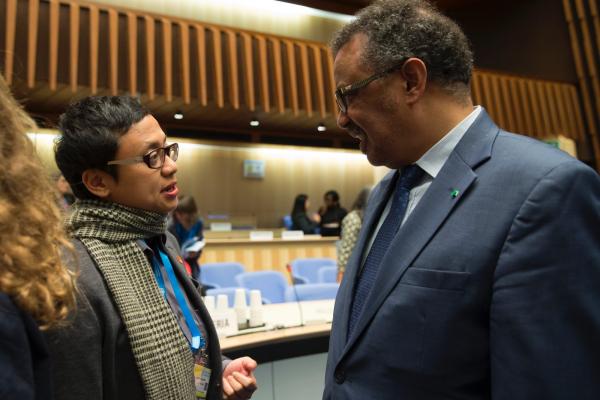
(477,272)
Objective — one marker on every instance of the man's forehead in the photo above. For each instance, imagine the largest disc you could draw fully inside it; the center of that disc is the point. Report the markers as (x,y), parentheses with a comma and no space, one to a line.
(348,57)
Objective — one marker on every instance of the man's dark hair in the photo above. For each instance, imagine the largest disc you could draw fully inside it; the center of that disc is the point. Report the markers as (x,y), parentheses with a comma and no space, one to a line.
(90,131)
(397,29)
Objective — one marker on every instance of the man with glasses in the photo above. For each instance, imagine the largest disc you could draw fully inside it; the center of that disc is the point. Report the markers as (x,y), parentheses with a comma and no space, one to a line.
(476,272)
(141,330)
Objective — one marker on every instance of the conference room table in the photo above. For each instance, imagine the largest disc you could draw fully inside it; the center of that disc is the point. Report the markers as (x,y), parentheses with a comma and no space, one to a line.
(291,349)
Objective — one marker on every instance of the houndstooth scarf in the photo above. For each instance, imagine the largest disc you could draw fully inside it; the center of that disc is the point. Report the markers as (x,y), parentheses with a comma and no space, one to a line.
(109,231)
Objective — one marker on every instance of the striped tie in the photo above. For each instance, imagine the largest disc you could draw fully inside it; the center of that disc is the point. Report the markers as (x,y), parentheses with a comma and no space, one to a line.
(411,175)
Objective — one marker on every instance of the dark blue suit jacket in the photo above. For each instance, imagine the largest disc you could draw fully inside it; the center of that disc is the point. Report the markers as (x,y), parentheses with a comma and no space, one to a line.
(24,364)
(493,294)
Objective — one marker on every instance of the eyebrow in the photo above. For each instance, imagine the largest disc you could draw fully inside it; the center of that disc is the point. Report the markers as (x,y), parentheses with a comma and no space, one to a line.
(148,146)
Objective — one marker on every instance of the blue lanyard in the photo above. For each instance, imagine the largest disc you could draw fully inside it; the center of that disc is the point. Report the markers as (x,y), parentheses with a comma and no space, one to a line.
(197,341)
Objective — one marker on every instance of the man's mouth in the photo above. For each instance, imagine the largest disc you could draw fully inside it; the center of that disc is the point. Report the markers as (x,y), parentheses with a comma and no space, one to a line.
(171,189)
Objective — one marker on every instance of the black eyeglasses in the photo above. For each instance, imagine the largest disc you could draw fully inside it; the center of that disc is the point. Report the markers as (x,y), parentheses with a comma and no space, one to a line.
(154,159)
(341,94)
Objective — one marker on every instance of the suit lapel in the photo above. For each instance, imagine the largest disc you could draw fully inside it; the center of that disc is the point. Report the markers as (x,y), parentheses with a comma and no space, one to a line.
(433,209)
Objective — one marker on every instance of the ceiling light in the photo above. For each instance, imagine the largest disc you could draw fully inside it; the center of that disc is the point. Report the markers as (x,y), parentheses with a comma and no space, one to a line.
(321,127)
(178,115)
(254,122)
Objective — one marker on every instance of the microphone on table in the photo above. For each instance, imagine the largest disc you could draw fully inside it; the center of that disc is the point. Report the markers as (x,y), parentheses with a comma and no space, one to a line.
(288,267)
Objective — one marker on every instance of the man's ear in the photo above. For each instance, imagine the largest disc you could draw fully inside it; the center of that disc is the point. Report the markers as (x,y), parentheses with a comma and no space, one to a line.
(97,182)
(414,72)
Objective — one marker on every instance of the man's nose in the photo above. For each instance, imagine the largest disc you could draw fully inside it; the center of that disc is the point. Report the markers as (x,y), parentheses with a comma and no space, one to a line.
(342,120)
(169,167)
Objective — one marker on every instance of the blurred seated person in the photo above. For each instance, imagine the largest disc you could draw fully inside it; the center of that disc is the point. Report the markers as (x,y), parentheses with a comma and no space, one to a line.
(331,214)
(66,196)
(187,229)
(301,221)
(36,288)
(351,225)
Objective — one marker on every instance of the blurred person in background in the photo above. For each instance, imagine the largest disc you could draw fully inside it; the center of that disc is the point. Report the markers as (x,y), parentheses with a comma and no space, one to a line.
(36,289)
(301,221)
(351,225)
(187,229)
(65,194)
(331,214)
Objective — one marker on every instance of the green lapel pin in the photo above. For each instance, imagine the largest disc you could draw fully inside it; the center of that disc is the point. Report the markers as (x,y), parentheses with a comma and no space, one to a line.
(454,193)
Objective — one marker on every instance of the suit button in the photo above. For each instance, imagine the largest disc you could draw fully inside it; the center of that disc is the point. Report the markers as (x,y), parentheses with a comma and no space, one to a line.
(340,376)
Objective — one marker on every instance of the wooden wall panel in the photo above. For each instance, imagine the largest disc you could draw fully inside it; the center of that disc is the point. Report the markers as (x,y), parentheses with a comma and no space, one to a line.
(232,66)
(218,67)
(201,54)
(113,51)
(267,255)
(132,46)
(263,73)
(94,38)
(221,187)
(184,49)
(74,45)
(278,73)
(577,18)
(33,12)
(9,45)
(167,58)
(53,44)
(248,65)
(150,57)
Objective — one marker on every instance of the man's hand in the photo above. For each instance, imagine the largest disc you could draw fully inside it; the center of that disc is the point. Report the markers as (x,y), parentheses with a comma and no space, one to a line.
(239,382)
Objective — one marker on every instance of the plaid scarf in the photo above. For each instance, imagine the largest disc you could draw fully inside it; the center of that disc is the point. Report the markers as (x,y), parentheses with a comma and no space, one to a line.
(109,231)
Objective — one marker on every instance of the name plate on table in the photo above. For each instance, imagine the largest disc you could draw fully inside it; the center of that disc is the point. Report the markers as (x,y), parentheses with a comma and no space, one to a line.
(292,235)
(220,226)
(225,322)
(261,235)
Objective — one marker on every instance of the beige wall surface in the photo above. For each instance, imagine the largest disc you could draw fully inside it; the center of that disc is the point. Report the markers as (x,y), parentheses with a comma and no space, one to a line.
(213,174)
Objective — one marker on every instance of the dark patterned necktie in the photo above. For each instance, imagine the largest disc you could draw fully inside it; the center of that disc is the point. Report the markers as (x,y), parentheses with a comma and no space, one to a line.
(409,178)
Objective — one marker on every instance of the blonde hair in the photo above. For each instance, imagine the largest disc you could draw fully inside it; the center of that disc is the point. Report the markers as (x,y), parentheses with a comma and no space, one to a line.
(32,272)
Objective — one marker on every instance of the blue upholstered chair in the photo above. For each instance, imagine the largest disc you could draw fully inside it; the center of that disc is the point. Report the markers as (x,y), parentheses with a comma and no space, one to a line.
(311,291)
(306,270)
(327,275)
(221,274)
(272,284)
(287,222)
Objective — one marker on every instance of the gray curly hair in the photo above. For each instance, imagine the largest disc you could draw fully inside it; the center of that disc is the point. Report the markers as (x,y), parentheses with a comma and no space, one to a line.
(397,29)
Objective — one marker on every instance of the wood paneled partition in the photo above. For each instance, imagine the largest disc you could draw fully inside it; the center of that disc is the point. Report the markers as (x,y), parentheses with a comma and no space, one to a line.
(540,109)
(583,19)
(55,50)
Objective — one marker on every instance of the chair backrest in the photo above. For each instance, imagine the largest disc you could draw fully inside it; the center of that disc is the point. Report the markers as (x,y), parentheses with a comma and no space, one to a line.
(287,222)
(220,274)
(230,292)
(311,291)
(272,284)
(327,275)
(307,269)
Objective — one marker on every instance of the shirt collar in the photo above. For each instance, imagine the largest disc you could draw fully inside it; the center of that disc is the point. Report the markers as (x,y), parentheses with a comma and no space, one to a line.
(434,159)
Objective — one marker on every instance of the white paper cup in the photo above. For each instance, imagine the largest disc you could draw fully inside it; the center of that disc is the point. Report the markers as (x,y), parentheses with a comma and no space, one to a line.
(222,303)
(209,303)
(255,299)
(240,298)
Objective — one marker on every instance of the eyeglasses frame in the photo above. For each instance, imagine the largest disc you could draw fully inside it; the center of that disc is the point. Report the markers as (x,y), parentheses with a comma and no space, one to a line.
(146,157)
(342,93)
